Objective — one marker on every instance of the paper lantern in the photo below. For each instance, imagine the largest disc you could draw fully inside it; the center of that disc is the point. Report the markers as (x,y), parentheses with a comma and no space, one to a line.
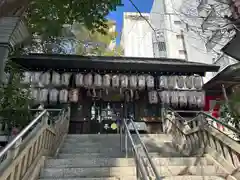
(197,82)
(107,80)
(35,94)
(43,95)
(174,98)
(192,99)
(153,97)
(97,80)
(115,81)
(165,97)
(124,81)
(79,80)
(189,82)
(200,99)
(56,79)
(180,82)
(133,80)
(171,82)
(36,77)
(65,79)
(141,82)
(53,95)
(150,81)
(45,78)
(183,99)
(88,80)
(73,96)
(27,76)
(63,96)
(163,82)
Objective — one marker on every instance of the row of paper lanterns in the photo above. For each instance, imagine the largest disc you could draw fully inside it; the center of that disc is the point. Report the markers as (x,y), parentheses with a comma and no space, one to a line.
(54,95)
(95,80)
(178,98)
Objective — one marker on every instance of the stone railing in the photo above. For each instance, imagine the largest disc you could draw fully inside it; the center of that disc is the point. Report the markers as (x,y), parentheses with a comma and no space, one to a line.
(26,156)
(199,137)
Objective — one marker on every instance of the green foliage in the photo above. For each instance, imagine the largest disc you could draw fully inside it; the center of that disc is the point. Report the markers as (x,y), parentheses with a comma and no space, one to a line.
(230,111)
(15,99)
(47,17)
(97,43)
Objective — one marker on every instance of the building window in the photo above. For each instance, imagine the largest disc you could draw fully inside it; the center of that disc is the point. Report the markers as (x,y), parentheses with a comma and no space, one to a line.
(182,52)
(161,46)
(180,36)
(177,22)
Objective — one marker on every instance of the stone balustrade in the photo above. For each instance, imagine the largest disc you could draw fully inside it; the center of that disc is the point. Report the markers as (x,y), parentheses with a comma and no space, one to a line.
(198,137)
(24,160)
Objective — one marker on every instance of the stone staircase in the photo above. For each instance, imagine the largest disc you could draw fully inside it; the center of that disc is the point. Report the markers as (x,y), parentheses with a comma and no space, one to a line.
(98,157)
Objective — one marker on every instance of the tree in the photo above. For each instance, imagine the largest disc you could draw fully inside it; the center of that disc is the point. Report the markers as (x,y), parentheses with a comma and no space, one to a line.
(95,42)
(15,99)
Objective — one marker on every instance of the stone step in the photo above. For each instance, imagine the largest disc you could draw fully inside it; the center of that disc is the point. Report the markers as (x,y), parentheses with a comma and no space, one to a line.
(115,137)
(128,171)
(121,162)
(71,155)
(134,178)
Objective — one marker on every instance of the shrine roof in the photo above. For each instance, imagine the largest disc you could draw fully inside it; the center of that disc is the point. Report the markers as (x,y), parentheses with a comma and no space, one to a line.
(56,61)
(229,77)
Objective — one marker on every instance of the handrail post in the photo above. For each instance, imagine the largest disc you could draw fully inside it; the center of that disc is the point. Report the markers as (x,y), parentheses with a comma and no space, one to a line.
(126,143)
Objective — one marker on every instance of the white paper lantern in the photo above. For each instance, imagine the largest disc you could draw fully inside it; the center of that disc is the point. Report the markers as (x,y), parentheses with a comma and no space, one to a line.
(97,80)
(63,96)
(200,99)
(124,81)
(174,98)
(107,80)
(192,99)
(150,81)
(115,81)
(36,77)
(88,80)
(53,95)
(165,97)
(45,78)
(189,82)
(73,96)
(43,95)
(171,82)
(141,82)
(79,80)
(35,94)
(180,82)
(183,98)
(56,79)
(133,81)
(65,79)
(153,97)
(26,79)
(197,82)
(163,82)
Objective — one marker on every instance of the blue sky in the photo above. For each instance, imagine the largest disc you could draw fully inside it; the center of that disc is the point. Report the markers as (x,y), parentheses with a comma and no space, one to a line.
(143,6)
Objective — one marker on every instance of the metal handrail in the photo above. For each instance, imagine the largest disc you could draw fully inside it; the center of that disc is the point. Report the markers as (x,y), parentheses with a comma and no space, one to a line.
(138,159)
(143,146)
(24,131)
(21,134)
(220,122)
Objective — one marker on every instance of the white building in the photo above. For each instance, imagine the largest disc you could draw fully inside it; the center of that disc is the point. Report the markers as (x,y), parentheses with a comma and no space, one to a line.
(136,37)
(182,28)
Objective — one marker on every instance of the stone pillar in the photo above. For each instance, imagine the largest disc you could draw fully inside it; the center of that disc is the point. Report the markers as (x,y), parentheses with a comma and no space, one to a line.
(12,32)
